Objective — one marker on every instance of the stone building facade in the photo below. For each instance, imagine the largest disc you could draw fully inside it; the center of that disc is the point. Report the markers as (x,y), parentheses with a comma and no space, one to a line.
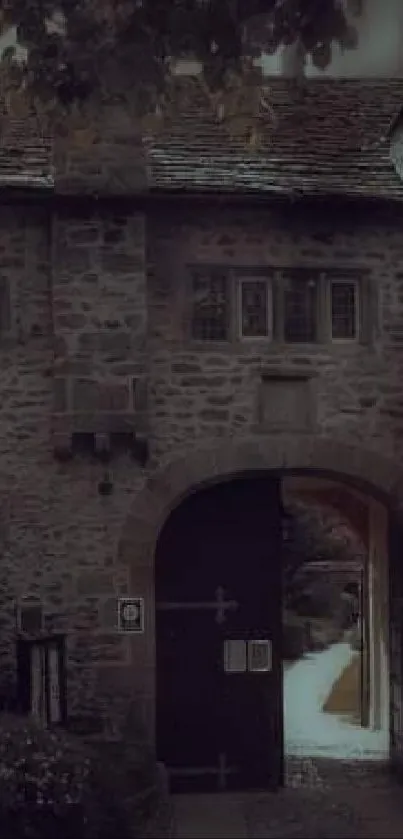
(157,338)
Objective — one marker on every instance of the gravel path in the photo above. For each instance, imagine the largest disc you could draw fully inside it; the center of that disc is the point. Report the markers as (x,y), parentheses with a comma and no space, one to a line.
(311,732)
(329,799)
(337,781)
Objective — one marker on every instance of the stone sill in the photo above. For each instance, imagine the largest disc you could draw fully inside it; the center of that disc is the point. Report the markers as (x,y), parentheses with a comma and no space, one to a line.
(265,347)
(266,428)
(100,423)
(288,373)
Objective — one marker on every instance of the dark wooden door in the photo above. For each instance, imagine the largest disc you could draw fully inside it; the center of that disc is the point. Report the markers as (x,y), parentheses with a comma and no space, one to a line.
(396,644)
(218,594)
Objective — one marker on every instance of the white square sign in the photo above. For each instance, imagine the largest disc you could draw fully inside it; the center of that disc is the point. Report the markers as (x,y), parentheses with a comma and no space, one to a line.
(131,614)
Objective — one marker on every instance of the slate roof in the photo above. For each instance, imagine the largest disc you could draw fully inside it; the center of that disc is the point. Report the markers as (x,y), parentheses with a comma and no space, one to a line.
(335,140)
(25,155)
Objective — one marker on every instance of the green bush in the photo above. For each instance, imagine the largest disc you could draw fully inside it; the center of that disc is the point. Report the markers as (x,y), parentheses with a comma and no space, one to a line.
(54,784)
(294,637)
(303,634)
(354,637)
(324,633)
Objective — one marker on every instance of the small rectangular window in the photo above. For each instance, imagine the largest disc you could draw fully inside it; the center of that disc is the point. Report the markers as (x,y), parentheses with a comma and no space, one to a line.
(344,314)
(210,306)
(300,309)
(255,308)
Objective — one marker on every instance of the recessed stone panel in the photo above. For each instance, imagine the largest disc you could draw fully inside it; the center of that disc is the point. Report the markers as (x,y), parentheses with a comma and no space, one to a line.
(93,583)
(287,404)
(89,395)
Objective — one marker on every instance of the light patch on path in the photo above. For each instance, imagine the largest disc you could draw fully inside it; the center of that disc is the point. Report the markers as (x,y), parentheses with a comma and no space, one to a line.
(308,731)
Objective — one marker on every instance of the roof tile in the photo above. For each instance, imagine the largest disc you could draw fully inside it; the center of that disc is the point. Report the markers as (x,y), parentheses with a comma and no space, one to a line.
(25,154)
(333,138)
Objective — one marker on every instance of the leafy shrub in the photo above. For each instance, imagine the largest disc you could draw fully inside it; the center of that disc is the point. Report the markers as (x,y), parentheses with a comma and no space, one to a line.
(294,637)
(303,635)
(54,784)
(354,637)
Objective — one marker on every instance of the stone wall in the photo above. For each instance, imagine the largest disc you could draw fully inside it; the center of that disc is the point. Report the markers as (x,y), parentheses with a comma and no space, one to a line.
(73,352)
(198,391)
(86,338)
(100,322)
(25,415)
(100,329)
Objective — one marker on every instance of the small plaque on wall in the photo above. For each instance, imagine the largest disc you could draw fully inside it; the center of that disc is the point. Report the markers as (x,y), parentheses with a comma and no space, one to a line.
(131,614)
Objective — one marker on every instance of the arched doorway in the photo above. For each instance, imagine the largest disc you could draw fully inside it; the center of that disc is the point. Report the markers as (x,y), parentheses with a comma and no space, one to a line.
(274,456)
(341,673)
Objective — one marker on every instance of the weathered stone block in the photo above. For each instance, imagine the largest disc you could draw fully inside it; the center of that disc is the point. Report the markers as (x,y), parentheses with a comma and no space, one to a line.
(59,346)
(214,415)
(287,404)
(94,583)
(114,235)
(71,321)
(83,235)
(74,260)
(60,400)
(89,341)
(109,648)
(86,395)
(114,397)
(120,263)
(108,614)
(135,322)
(115,342)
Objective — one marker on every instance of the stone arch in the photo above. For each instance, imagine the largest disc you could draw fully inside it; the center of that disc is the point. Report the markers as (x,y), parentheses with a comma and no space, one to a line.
(219,460)
(210,464)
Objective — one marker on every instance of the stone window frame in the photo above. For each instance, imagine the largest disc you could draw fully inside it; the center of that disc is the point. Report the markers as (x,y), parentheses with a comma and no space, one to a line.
(361,276)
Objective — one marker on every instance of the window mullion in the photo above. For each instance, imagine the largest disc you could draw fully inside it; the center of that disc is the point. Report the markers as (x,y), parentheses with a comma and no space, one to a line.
(278,307)
(367,309)
(233,291)
(323,310)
